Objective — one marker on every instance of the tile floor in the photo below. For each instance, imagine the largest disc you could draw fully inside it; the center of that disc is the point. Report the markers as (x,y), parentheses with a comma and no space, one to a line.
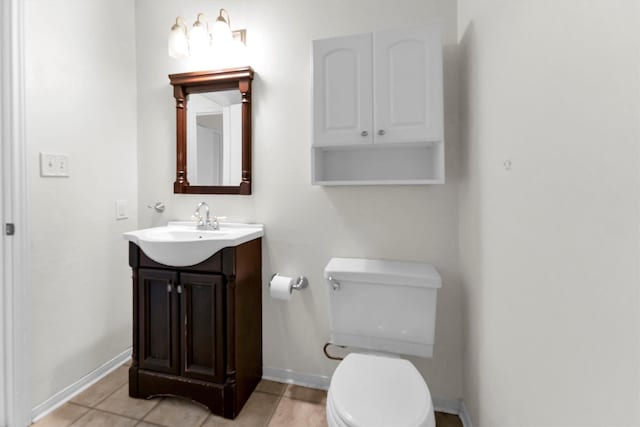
(107,404)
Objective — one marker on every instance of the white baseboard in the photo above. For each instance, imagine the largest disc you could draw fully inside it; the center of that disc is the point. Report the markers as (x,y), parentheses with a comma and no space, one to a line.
(455,407)
(66,394)
(448,406)
(464,415)
(298,378)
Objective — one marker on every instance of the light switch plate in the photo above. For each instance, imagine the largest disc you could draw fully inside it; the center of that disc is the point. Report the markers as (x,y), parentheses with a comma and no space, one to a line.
(121,209)
(55,165)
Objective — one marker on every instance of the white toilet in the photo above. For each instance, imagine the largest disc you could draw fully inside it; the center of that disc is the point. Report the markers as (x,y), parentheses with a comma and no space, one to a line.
(388,309)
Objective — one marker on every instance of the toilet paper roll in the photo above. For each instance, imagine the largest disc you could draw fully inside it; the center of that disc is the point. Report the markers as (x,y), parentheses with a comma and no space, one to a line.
(281,287)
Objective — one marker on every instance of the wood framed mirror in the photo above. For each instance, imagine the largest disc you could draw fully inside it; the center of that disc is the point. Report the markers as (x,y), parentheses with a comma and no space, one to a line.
(213,127)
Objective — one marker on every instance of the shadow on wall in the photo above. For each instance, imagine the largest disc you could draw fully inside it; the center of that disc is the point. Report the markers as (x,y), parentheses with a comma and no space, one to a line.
(470,220)
(304,315)
(90,351)
(408,222)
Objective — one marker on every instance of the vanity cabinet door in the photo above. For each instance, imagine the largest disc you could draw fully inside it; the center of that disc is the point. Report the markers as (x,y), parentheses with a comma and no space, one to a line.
(408,86)
(202,311)
(342,82)
(158,320)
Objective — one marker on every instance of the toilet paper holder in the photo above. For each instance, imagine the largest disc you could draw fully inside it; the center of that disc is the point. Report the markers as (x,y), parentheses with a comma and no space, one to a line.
(301,282)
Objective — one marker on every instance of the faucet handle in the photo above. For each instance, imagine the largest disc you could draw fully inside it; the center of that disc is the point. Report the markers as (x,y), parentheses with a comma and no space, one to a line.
(215,222)
(198,218)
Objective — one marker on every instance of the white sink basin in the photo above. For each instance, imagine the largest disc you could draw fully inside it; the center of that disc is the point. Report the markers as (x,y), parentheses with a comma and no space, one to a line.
(180,244)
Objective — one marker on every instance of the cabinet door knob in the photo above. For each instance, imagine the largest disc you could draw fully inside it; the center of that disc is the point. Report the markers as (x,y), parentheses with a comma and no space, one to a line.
(169,288)
(179,289)
(381,132)
(364,133)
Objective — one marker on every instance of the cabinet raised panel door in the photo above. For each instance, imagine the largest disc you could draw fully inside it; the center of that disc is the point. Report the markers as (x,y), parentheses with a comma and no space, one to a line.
(342,80)
(408,86)
(158,320)
(202,310)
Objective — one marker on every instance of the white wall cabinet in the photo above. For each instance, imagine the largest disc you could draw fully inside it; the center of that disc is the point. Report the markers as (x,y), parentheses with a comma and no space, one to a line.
(378,115)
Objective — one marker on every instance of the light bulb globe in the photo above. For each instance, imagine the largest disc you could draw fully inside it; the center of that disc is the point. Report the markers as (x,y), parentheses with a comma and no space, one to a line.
(199,40)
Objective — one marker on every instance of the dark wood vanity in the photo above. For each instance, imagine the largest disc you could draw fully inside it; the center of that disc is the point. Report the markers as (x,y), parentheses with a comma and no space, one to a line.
(197,330)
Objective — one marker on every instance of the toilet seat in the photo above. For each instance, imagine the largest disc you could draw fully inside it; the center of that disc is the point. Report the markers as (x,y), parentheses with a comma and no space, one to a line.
(372,390)
(333,418)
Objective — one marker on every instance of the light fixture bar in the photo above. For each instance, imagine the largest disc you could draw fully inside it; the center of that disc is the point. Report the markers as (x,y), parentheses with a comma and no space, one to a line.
(205,36)
(240,35)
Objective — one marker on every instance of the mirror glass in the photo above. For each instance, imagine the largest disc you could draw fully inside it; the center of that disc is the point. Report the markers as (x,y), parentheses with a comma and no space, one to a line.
(214,138)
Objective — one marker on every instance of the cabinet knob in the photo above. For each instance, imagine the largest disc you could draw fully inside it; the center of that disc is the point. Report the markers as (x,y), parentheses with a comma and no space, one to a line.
(169,288)
(364,133)
(381,132)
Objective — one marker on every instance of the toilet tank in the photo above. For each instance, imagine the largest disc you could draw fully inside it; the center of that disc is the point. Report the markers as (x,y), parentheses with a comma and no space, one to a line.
(386,306)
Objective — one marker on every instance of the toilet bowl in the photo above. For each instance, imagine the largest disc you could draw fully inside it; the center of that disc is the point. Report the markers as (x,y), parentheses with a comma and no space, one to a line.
(378,391)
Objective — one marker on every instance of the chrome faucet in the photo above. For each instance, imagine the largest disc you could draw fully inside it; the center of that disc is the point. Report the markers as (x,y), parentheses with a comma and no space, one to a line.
(206,223)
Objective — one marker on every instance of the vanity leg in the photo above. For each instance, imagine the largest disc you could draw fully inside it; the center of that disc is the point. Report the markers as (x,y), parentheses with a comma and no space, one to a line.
(133,382)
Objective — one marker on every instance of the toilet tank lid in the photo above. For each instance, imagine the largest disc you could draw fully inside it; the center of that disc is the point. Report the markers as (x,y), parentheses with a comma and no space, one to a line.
(384,272)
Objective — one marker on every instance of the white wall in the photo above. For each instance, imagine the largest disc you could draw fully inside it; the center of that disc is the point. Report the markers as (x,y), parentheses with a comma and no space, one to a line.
(307,225)
(81,100)
(549,247)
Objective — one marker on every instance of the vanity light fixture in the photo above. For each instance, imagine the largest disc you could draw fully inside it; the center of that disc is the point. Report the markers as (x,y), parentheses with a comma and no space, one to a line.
(204,37)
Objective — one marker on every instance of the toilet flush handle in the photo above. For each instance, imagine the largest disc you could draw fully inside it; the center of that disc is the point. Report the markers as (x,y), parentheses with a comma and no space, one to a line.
(334,283)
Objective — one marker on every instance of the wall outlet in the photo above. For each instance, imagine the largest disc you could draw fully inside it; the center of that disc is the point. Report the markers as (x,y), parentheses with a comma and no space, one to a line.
(56,165)
(121,209)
